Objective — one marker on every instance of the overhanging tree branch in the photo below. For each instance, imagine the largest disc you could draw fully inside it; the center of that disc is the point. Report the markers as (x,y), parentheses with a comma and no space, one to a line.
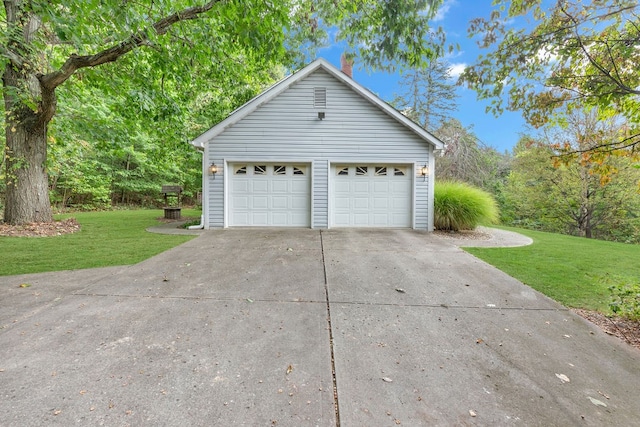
(592,60)
(75,62)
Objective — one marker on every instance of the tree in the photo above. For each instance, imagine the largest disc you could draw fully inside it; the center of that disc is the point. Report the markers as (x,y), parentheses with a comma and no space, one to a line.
(577,54)
(44,43)
(465,158)
(581,197)
(429,95)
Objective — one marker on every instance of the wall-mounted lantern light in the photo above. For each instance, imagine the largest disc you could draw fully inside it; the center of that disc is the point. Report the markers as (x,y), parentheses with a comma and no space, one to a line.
(213,170)
(321,115)
(424,171)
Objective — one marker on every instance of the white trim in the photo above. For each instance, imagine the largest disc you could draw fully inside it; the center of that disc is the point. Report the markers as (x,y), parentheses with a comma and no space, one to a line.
(285,83)
(225,196)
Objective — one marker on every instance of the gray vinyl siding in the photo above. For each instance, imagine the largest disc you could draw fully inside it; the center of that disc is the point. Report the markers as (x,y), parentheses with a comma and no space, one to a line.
(216,193)
(320,191)
(287,128)
(421,197)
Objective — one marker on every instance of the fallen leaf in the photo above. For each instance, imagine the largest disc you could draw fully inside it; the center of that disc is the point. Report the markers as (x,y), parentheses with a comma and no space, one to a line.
(479,340)
(563,378)
(290,249)
(601,393)
(387,380)
(24,285)
(597,402)
(58,411)
(249,300)
(402,291)
(472,413)
(289,369)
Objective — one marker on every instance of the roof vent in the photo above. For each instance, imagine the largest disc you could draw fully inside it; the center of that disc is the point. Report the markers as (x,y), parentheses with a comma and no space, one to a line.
(320,97)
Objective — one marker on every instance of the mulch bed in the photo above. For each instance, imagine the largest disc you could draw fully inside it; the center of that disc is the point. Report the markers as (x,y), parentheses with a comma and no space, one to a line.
(40,229)
(626,330)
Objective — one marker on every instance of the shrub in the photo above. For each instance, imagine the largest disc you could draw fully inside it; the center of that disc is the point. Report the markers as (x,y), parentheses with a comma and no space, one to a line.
(625,297)
(460,206)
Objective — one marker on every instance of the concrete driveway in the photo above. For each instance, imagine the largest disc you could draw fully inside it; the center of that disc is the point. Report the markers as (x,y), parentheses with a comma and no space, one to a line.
(304,328)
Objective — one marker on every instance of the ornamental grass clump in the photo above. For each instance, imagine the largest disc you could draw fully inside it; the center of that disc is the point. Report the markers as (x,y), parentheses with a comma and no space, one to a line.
(460,206)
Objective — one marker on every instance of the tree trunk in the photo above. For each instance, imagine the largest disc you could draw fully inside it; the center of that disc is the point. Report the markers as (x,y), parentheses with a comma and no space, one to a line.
(27,191)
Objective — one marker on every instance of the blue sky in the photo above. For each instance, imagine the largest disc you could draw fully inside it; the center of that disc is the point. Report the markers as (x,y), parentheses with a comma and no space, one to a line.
(500,132)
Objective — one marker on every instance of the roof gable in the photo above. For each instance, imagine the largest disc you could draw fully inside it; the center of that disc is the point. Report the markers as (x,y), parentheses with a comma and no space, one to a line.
(288,81)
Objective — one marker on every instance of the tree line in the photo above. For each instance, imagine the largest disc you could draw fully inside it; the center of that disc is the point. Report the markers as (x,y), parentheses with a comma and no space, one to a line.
(101,97)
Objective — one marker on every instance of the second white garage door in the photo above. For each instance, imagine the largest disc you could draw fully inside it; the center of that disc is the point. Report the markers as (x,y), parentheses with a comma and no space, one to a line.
(268,195)
(371,195)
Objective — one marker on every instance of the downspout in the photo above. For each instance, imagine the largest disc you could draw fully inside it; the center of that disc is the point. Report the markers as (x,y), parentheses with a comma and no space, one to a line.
(201,225)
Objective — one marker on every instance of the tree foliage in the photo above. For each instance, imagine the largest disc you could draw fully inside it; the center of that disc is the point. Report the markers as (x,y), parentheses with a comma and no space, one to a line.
(170,51)
(574,54)
(428,95)
(580,197)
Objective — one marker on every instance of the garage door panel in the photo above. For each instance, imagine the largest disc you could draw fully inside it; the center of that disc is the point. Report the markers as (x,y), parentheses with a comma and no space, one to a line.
(259,219)
(299,204)
(279,219)
(280,187)
(241,201)
(380,219)
(361,203)
(259,185)
(380,203)
(240,186)
(381,186)
(371,196)
(361,187)
(279,202)
(342,202)
(299,186)
(269,195)
(259,202)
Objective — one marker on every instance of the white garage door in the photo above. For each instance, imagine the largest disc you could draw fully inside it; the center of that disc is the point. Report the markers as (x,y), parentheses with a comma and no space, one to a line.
(371,195)
(263,194)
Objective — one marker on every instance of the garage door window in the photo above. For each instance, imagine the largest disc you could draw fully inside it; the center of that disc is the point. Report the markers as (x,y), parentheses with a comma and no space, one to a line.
(260,170)
(362,170)
(279,170)
(299,170)
(381,171)
(241,170)
(399,171)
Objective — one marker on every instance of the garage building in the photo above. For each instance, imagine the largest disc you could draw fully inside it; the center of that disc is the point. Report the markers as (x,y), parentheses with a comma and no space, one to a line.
(317,150)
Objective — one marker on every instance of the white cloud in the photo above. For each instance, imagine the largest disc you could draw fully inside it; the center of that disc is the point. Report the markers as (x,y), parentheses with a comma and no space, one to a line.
(443,10)
(456,69)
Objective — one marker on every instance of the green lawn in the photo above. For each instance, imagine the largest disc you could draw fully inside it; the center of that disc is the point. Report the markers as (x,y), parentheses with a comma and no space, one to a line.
(571,270)
(106,239)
